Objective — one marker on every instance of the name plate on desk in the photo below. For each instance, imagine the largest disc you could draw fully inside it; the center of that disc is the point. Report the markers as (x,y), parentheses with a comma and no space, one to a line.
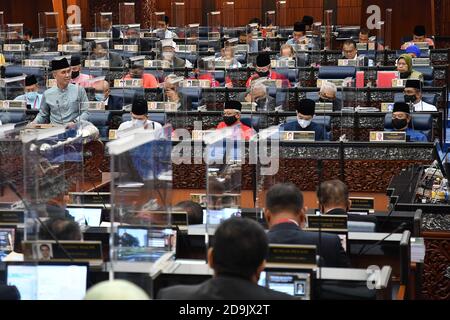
(90,197)
(199,198)
(156,64)
(127,47)
(51,83)
(221,64)
(112,134)
(399,83)
(13,104)
(308,136)
(323,107)
(387,106)
(337,82)
(422,45)
(365,46)
(196,83)
(69,47)
(146,34)
(418,62)
(90,251)
(362,203)
(186,48)
(300,47)
(326,222)
(347,63)
(162,106)
(241,48)
(128,83)
(292,254)
(387,136)
(96,63)
(214,35)
(248,106)
(285,63)
(36,63)
(98,35)
(95,105)
(200,135)
(14,47)
(8,217)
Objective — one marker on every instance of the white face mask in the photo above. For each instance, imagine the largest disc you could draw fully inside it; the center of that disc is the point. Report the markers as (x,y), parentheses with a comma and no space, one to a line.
(76,39)
(138,123)
(304,123)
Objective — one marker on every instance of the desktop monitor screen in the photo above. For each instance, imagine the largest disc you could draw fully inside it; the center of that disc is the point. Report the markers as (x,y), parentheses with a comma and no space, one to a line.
(49,281)
(7,238)
(86,216)
(216,217)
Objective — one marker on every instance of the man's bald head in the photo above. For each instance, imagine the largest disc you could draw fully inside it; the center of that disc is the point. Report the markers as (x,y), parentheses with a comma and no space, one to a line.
(101,85)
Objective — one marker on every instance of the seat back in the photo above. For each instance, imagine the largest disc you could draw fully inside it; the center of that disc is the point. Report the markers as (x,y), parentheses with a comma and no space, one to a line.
(336,72)
(252,121)
(159,117)
(421,122)
(12,117)
(361,226)
(428,75)
(101,120)
(192,95)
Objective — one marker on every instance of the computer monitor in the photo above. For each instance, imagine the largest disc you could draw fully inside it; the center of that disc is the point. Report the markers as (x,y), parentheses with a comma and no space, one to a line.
(296,284)
(91,217)
(216,217)
(138,243)
(48,281)
(7,238)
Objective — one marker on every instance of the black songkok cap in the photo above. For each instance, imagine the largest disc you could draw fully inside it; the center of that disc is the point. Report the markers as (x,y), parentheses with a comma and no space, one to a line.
(420,31)
(139,107)
(263,60)
(401,107)
(306,107)
(308,20)
(413,83)
(30,80)
(60,64)
(299,27)
(75,61)
(232,104)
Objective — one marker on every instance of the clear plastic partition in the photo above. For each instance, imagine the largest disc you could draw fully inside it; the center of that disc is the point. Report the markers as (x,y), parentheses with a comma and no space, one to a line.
(127,13)
(351,102)
(10,88)
(131,44)
(141,196)
(2,25)
(72,39)
(316,42)
(103,22)
(214,30)
(225,155)
(388,29)
(179,18)
(14,45)
(53,167)
(281,14)
(228,19)
(328,14)
(49,25)
(132,85)
(98,62)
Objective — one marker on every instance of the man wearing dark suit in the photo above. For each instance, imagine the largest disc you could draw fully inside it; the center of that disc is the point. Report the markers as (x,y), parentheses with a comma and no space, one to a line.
(238,258)
(103,94)
(334,199)
(305,113)
(285,214)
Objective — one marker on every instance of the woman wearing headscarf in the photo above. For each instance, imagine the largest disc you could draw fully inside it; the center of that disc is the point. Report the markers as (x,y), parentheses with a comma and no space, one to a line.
(404,66)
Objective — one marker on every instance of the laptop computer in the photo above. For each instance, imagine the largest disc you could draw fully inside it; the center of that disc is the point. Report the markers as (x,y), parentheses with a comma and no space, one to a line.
(91,217)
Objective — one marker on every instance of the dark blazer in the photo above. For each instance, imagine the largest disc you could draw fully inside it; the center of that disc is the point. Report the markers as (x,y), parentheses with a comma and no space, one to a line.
(222,288)
(115,103)
(9,293)
(319,129)
(332,252)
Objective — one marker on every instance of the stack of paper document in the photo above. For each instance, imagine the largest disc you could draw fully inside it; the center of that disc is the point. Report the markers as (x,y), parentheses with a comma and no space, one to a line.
(417,250)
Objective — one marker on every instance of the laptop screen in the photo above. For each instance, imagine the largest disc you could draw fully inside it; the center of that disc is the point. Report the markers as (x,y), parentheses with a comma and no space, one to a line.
(294,284)
(48,281)
(86,216)
(7,238)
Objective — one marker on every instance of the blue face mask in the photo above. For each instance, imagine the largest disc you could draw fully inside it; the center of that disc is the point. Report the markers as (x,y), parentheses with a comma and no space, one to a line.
(31,97)
(99,96)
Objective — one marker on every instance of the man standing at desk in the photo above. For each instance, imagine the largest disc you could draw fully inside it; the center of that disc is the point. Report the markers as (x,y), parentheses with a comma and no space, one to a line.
(65,103)
(305,113)
(400,122)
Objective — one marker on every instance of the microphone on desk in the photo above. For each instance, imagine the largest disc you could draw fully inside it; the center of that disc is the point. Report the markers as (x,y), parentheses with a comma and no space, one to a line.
(403,225)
